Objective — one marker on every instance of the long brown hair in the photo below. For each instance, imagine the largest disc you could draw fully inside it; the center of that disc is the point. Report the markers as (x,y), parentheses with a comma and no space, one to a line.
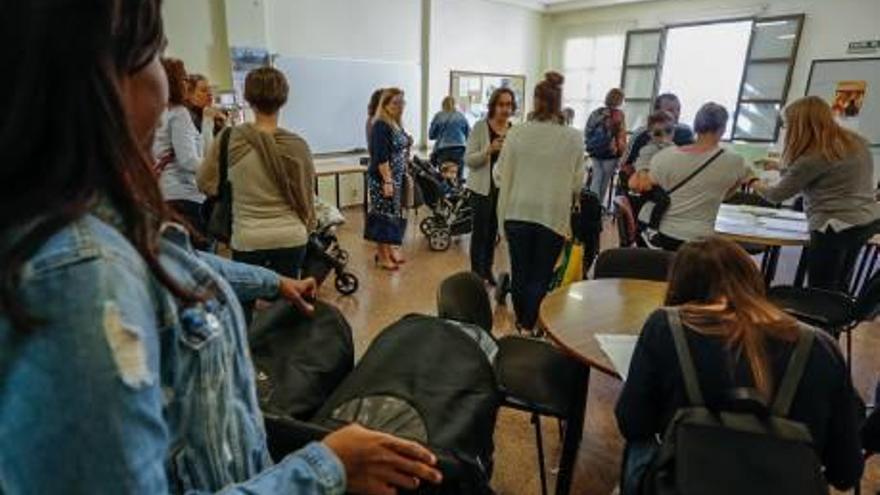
(496,95)
(721,292)
(63,55)
(812,130)
(178,84)
(548,99)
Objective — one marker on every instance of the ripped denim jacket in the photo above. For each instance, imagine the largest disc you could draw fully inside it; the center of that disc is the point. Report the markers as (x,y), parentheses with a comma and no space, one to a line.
(122,389)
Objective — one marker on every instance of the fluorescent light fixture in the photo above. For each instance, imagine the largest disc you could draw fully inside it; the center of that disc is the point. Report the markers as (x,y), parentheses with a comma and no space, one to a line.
(785,37)
(772,23)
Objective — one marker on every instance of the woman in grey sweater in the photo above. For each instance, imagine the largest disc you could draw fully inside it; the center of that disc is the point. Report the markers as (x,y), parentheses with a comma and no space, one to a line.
(833,168)
(483,148)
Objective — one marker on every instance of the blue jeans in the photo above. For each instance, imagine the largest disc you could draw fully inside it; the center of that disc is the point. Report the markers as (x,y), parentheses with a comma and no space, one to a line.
(533,253)
(603,172)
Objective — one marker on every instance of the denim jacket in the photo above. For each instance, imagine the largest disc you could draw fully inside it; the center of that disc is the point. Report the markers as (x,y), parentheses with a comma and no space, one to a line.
(123,389)
(449,129)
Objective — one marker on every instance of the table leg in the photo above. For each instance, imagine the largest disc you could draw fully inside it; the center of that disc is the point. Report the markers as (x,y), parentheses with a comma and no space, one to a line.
(772,260)
(801,273)
(316,186)
(338,203)
(574,430)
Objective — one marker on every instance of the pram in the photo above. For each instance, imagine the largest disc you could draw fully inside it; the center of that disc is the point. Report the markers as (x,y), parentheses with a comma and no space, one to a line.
(449,203)
(324,254)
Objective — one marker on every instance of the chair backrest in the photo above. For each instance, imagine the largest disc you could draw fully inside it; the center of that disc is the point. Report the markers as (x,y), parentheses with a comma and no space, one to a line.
(462,297)
(750,199)
(536,375)
(637,263)
(626,221)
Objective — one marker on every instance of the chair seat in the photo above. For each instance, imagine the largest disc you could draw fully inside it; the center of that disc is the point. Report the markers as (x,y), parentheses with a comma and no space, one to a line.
(829,310)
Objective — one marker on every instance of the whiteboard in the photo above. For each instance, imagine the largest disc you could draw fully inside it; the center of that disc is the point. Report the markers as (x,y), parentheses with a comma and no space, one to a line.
(328,98)
(825,75)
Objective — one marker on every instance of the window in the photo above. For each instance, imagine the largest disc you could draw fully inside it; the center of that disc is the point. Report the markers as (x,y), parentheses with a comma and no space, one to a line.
(591,67)
(743,64)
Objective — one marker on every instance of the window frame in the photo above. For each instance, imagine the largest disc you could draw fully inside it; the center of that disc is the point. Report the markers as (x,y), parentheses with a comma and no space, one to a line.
(791,60)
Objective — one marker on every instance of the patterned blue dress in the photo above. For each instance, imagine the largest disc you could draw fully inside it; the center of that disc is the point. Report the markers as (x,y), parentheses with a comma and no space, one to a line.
(385,221)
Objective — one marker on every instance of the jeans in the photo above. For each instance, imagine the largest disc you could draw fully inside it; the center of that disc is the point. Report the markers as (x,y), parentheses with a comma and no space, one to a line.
(603,172)
(832,255)
(533,253)
(485,232)
(286,262)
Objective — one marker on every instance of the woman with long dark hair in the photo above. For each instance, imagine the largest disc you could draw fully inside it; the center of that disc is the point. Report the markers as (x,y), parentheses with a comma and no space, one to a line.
(737,338)
(123,357)
(539,174)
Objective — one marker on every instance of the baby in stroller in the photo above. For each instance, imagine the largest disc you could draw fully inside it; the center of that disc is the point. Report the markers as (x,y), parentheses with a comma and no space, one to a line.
(324,254)
(448,200)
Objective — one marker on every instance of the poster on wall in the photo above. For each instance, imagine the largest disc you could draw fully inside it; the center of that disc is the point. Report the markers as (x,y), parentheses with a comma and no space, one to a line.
(472,91)
(852,87)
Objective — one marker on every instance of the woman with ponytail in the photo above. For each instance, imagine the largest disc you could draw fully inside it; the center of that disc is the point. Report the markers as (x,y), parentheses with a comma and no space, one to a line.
(737,339)
(539,174)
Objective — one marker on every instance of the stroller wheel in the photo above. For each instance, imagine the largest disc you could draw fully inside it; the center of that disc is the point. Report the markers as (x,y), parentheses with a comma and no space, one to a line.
(502,289)
(426,226)
(346,283)
(440,239)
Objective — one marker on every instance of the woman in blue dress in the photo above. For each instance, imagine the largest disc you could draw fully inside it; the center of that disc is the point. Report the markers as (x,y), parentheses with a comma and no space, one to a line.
(389,149)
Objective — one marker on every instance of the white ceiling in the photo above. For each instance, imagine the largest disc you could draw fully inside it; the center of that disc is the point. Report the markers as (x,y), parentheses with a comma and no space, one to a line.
(565,5)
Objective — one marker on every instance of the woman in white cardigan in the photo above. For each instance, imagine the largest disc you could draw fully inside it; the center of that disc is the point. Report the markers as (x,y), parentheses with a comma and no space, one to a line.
(539,173)
(483,149)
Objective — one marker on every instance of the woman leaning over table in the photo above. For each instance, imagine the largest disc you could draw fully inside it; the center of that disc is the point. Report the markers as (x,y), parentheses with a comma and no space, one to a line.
(539,173)
(483,149)
(389,145)
(833,168)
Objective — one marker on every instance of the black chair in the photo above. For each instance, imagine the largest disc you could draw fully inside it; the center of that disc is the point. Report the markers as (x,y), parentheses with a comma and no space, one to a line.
(835,312)
(536,377)
(637,263)
(462,297)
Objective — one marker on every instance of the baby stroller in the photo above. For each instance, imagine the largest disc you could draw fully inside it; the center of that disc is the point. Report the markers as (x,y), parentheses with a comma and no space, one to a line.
(449,203)
(324,254)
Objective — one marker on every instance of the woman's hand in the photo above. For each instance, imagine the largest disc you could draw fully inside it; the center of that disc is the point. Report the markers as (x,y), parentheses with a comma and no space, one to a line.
(299,293)
(768,163)
(388,189)
(495,146)
(378,463)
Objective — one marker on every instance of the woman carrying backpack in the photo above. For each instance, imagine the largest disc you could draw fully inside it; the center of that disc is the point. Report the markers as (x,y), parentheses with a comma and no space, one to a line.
(736,338)
(605,140)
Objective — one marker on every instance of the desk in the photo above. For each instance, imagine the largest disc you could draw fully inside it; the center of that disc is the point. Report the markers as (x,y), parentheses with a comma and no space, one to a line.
(573,315)
(325,167)
(768,227)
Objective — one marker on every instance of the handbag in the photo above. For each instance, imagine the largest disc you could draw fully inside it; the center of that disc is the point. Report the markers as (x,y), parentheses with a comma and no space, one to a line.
(659,200)
(220,219)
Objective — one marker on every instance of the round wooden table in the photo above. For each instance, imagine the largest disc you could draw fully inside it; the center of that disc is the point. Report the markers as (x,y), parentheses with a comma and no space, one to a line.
(574,314)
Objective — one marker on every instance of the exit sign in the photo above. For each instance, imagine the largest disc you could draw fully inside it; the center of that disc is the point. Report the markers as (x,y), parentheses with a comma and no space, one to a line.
(869,46)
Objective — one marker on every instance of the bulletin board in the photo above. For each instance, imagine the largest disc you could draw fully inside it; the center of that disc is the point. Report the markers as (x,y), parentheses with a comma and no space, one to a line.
(852,87)
(472,90)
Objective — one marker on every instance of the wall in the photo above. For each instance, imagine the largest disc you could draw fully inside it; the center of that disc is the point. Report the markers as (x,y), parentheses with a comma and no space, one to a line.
(196,32)
(483,36)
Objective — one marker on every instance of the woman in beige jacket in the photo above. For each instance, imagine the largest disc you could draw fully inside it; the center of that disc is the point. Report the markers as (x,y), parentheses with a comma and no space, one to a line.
(483,148)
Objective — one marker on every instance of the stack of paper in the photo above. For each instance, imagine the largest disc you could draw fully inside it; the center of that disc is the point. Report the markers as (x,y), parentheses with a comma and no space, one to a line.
(619,349)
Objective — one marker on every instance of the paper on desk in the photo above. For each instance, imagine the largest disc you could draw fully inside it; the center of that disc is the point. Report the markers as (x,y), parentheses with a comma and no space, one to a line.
(619,349)
(783,224)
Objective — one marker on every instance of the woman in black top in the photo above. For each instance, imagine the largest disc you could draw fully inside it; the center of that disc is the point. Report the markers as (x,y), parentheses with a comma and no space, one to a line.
(737,339)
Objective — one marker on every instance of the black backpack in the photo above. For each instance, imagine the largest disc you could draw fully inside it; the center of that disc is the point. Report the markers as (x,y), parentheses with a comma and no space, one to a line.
(426,380)
(751,451)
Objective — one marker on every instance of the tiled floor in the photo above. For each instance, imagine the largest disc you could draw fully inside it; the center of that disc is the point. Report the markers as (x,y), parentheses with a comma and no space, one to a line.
(385,296)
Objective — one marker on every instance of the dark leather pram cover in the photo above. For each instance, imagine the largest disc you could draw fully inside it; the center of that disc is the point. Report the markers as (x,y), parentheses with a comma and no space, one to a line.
(424,379)
(299,360)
